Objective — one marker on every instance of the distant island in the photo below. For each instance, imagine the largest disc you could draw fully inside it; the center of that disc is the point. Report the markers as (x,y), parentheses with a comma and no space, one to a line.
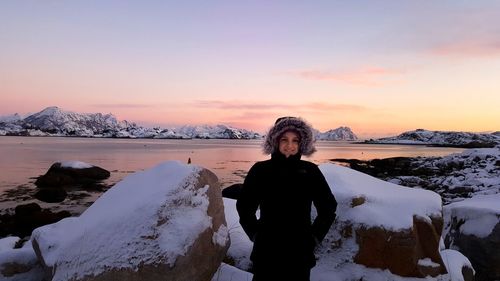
(442,138)
(53,121)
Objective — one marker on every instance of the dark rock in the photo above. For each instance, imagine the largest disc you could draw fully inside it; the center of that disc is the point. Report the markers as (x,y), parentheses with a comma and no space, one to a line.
(27,209)
(461,190)
(483,252)
(232,191)
(58,176)
(468,273)
(28,217)
(51,195)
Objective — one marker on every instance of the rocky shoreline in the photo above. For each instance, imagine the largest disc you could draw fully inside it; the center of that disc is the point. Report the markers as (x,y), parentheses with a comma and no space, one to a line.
(454,177)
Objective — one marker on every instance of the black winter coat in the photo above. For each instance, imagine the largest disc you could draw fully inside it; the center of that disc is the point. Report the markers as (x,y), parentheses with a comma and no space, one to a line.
(284,189)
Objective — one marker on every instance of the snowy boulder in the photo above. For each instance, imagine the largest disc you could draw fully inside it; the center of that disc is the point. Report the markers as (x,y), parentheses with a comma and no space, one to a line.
(164,223)
(72,173)
(473,228)
(392,227)
(18,264)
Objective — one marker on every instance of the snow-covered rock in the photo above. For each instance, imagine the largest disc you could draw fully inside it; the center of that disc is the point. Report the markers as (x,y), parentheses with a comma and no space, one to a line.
(19,264)
(156,224)
(393,226)
(455,176)
(341,133)
(473,228)
(8,243)
(71,173)
(442,138)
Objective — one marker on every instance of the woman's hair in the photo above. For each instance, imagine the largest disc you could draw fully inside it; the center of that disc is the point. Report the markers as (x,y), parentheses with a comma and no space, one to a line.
(296,125)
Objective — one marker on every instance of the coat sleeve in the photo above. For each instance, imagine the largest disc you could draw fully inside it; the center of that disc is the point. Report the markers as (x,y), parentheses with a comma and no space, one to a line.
(248,203)
(325,204)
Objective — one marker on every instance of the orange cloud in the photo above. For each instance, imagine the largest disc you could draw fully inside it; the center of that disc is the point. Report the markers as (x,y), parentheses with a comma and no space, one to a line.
(365,76)
(123,105)
(263,106)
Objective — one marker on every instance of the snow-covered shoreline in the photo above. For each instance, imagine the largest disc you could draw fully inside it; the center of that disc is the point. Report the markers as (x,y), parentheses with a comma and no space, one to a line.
(442,138)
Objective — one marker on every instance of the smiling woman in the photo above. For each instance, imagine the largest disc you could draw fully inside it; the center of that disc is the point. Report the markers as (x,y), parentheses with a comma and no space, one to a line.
(284,188)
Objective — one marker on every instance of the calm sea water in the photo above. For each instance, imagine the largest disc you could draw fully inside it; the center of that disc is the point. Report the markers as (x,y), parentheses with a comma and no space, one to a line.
(22,158)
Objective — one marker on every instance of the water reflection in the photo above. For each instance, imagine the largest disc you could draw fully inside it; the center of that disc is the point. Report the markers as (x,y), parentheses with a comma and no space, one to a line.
(25,157)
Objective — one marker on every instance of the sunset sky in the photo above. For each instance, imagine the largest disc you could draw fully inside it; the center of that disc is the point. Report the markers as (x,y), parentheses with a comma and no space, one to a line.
(379,67)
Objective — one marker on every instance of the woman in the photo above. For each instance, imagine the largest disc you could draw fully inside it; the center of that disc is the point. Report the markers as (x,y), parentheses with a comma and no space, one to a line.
(284,187)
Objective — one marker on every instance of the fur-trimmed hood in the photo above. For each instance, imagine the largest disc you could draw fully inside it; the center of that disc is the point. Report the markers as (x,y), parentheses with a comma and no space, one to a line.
(285,124)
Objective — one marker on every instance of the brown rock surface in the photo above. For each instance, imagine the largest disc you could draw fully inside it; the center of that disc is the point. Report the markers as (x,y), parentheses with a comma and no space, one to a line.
(400,251)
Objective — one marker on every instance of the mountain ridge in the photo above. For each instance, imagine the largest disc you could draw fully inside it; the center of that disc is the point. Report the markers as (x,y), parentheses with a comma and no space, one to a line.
(53,121)
(442,138)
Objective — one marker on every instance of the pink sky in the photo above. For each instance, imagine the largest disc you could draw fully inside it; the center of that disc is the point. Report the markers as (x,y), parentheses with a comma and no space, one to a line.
(380,68)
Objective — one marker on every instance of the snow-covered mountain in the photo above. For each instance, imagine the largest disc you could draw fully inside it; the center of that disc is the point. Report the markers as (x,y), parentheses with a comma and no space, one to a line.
(442,138)
(341,133)
(11,118)
(217,131)
(53,121)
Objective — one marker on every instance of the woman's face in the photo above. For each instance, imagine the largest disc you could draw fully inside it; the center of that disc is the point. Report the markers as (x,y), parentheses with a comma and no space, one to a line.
(289,143)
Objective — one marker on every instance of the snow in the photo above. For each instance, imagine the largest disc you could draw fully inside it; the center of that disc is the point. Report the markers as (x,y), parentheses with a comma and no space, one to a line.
(75,165)
(24,256)
(227,272)
(8,243)
(221,236)
(241,246)
(341,133)
(456,176)
(454,262)
(89,244)
(11,118)
(381,198)
(480,214)
(421,136)
(428,262)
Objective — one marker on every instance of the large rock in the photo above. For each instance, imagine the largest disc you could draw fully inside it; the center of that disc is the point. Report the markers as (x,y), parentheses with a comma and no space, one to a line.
(474,229)
(71,173)
(403,252)
(394,227)
(165,223)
